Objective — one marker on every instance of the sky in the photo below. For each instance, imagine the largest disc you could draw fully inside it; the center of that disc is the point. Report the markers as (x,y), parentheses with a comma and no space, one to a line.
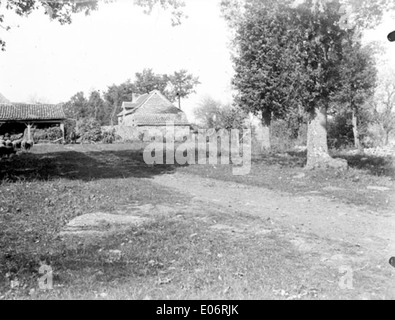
(48,62)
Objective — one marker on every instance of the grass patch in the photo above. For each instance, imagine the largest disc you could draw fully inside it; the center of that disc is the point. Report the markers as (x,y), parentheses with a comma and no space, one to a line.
(280,172)
(176,256)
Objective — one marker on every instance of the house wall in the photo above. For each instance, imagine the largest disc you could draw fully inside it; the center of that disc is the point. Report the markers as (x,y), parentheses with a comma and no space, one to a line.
(128,121)
(150,132)
(125,132)
(147,133)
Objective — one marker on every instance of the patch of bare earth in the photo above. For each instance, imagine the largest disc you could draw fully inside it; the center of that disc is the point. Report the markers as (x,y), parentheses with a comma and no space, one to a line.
(340,241)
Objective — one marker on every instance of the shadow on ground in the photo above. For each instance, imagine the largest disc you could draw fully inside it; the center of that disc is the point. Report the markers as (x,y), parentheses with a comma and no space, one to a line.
(374,165)
(74,165)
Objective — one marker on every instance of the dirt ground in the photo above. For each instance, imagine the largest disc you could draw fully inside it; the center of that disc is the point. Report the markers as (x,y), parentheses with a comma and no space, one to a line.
(337,235)
(278,233)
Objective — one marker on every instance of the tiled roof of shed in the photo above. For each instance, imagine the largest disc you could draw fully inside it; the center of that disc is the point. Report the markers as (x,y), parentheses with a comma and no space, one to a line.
(23,111)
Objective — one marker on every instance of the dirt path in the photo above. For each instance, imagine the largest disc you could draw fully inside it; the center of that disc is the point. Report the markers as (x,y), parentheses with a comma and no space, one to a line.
(339,233)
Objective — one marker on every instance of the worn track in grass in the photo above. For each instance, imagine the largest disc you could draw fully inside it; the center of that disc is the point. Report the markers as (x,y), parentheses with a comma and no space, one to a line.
(336,234)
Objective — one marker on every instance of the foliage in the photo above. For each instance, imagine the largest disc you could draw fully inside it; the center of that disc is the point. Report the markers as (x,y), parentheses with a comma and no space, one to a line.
(97,108)
(340,133)
(263,60)
(109,136)
(233,118)
(63,11)
(89,130)
(147,81)
(76,107)
(361,14)
(181,84)
(384,106)
(287,54)
(47,134)
(208,111)
(284,136)
(358,76)
(104,107)
(70,127)
(213,114)
(115,95)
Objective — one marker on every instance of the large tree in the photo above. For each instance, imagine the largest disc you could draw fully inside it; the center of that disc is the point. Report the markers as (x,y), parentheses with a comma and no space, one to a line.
(212,113)
(358,82)
(181,85)
(63,10)
(384,105)
(98,108)
(116,95)
(147,80)
(77,107)
(316,32)
(264,62)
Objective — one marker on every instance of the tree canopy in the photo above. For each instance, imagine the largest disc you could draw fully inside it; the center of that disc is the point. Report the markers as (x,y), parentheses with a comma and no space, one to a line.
(181,85)
(147,80)
(63,10)
(291,57)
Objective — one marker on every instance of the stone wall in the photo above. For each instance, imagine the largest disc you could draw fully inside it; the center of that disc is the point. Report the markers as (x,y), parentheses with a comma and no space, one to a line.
(147,133)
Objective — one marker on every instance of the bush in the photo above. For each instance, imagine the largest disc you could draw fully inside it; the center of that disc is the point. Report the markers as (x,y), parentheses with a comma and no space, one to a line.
(89,130)
(47,134)
(109,136)
(69,127)
(284,137)
(340,133)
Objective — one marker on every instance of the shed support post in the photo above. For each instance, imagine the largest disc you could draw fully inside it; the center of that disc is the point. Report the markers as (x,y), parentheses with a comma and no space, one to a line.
(62,128)
(29,131)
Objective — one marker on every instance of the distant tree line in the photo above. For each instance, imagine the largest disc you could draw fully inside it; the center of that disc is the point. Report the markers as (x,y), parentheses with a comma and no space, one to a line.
(104,106)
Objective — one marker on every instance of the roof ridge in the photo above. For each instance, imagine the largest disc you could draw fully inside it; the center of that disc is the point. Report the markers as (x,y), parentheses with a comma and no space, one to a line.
(149,97)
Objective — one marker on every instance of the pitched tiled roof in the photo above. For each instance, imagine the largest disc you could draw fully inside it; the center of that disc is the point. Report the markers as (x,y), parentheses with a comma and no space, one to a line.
(153,109)
(24,111)
(130,107)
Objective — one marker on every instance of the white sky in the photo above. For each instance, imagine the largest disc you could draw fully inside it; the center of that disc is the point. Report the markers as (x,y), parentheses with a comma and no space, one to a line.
(46,60)
(52,62)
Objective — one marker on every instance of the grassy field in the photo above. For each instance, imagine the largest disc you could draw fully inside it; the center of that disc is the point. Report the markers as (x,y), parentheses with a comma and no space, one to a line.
(178,254)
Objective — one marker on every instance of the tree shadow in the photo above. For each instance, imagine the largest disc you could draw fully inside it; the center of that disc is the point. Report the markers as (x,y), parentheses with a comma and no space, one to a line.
(291,159)
(85,166)
(374,165)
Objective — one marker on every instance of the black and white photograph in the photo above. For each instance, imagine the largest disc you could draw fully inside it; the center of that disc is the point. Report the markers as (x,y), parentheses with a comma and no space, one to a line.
(197,150)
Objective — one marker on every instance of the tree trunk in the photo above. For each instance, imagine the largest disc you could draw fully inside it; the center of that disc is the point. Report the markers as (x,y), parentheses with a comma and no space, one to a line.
(387,138)
(357,142)
(263,133)
(317,144)
(265,142)
(114,112)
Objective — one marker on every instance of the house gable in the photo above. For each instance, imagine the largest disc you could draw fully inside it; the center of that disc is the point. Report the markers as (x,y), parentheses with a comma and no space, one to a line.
(152,109)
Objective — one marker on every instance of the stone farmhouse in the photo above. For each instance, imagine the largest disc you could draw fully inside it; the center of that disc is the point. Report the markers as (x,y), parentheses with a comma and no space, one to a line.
(148,116)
